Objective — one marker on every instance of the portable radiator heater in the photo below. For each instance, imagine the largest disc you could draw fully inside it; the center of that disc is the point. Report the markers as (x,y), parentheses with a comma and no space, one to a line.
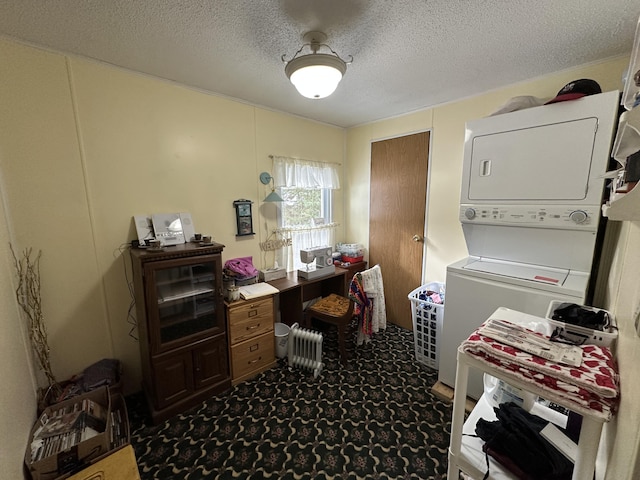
(305,349)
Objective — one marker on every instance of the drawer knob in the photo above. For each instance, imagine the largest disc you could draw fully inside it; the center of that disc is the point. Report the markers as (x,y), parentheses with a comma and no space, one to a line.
(253,327)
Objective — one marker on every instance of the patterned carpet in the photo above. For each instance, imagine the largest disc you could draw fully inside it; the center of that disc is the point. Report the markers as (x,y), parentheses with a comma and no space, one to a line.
(375,419)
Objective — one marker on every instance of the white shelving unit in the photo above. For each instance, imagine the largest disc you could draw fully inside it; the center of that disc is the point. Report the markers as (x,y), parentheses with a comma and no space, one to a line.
(630,87)
(465,452)
(626,206)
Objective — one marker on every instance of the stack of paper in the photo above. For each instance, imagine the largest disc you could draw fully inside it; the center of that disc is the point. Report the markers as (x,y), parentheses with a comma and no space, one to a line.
(257,290)
(526,340)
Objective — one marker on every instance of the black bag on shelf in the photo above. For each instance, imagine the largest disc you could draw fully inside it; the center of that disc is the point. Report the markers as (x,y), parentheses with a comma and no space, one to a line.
(514,440)
(583,317)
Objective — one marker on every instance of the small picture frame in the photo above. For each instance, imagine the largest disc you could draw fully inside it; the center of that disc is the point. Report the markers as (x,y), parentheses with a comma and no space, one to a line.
(244,217)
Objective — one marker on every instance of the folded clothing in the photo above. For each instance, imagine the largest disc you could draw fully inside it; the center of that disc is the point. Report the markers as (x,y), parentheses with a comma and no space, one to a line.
(590,389)
(514,440)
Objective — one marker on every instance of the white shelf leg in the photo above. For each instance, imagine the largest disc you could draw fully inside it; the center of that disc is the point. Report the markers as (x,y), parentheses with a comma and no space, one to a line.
(457,418)
(587,448)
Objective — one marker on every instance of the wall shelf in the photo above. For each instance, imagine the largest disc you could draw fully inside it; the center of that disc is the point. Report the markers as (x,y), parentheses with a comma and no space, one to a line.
(623,206)
(626,206)
(627,140)
(630,87)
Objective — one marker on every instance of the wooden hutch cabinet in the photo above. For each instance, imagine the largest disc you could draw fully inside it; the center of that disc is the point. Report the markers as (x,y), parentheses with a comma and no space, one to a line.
(181,325)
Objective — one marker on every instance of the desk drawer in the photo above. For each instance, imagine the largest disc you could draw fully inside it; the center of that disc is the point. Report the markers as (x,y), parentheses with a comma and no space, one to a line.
(250,319)
(252,354)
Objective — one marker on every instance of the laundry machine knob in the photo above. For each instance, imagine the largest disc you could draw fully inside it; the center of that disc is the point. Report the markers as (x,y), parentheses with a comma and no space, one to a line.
(470,213)
(578,216)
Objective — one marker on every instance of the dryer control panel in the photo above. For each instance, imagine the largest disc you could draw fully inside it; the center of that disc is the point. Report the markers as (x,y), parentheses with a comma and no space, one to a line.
(554,216)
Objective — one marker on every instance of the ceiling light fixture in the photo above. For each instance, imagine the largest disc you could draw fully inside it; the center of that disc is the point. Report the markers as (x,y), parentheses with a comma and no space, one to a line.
(266,179)
(315,75)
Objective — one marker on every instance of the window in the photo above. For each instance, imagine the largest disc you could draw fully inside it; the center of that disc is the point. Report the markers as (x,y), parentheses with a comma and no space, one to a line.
(305,215)
(303,207)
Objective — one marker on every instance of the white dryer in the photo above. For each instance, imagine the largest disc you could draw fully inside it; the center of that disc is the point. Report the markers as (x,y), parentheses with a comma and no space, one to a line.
(532,186)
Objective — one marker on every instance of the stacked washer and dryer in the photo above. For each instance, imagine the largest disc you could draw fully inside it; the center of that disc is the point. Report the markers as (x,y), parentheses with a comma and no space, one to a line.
(532,186)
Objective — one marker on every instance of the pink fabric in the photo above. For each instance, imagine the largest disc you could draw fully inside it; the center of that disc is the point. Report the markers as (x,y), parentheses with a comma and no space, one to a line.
(243,266)
(591,389)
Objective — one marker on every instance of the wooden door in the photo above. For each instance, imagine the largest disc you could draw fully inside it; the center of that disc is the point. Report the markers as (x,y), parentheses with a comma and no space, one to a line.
(396,218)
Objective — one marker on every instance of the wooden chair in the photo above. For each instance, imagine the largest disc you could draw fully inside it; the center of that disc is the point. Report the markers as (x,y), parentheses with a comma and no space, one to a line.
(335,310)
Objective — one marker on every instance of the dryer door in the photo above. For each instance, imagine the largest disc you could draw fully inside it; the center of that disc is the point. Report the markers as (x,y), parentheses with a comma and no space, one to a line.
(550,155)
(549,162)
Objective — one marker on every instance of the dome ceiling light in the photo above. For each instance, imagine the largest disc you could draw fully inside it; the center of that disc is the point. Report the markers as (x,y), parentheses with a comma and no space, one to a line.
(315,75)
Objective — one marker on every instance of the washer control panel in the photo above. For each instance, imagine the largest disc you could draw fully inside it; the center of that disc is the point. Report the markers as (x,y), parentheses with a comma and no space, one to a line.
(553,216)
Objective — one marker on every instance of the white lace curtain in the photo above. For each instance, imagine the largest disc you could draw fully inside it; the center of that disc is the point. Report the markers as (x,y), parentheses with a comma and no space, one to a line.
(297,173)
(303,239)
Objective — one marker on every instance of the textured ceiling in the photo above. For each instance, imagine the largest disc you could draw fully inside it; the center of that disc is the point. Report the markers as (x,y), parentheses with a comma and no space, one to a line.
(407,54)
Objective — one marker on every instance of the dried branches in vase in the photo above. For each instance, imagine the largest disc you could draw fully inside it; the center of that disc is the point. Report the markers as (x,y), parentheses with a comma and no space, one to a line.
(29,299)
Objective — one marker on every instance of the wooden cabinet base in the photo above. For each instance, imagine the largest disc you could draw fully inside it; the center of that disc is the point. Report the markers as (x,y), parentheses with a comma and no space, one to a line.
(160,415)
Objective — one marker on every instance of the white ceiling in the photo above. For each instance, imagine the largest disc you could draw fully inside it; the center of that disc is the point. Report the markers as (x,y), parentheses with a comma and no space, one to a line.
(407,54)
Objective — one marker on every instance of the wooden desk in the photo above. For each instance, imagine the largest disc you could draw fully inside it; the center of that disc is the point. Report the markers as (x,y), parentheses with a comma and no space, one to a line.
(295,291)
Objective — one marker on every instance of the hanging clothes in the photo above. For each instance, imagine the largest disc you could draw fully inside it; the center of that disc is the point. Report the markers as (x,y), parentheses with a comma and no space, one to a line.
(367,292)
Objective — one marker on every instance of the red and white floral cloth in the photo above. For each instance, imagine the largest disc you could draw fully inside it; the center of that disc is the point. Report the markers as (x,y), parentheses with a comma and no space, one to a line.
(591,389)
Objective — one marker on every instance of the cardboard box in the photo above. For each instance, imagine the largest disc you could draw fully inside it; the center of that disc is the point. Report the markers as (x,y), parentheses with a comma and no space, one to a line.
(119,465)
(120,438)
(53,459)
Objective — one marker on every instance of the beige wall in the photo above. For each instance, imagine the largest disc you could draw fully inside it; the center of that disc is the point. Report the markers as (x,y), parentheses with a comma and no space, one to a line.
(84,146)
(17,399)
(623,290)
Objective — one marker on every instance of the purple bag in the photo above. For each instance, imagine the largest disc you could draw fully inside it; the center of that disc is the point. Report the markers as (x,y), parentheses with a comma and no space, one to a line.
(241,267)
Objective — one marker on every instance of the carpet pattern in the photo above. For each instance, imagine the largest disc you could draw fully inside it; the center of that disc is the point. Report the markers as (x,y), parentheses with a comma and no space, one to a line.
(377,418)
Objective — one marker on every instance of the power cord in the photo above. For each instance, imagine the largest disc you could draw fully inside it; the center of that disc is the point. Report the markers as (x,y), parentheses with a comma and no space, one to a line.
(131,318)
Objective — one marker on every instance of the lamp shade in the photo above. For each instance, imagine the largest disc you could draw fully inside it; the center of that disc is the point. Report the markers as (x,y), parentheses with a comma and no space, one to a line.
(316,75)
(273,197)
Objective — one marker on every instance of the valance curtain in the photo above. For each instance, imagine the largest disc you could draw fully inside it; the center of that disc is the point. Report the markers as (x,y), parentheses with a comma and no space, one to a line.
(297,173)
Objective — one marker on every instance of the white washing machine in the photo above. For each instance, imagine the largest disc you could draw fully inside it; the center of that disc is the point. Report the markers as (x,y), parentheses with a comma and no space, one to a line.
(532,185)
(476,287)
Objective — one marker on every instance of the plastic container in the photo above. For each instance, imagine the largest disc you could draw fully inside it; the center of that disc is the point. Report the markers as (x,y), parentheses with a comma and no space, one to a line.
(281,332)
(582,334)
(351,250)
(427,323)
(348,259)
(498,391)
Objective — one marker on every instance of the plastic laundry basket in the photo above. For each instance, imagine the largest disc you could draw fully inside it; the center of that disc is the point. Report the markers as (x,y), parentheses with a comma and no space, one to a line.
(427,323)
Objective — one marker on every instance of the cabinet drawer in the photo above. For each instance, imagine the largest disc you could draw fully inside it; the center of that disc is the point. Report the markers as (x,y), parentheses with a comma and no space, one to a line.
(250,320)
(252,354)
(250,309)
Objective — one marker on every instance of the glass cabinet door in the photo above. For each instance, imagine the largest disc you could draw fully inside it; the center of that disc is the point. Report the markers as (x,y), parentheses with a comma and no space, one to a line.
(187,300)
